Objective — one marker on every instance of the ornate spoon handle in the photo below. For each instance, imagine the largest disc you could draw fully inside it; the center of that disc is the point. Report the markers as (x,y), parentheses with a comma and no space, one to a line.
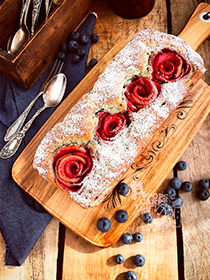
(35,14)
(17,124)
(12,146)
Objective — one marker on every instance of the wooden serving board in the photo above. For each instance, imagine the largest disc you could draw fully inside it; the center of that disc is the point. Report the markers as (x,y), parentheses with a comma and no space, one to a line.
(144,176)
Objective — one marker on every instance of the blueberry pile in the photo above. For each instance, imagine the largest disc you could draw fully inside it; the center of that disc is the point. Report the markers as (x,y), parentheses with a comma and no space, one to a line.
(164,208)
(202,192)
(74,45)
(128,237)
(138,259)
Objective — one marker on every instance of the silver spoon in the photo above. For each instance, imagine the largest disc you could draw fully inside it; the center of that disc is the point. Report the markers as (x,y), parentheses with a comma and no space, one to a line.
(20,37)
(16,126)
(54,92)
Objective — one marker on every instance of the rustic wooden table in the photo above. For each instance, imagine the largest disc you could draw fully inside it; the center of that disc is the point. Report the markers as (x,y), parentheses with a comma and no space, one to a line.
(172,251)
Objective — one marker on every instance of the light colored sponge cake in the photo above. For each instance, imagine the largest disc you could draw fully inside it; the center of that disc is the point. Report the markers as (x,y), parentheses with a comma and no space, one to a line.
(87,154)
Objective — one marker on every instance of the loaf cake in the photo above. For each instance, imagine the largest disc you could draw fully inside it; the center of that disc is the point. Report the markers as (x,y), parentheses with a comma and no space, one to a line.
(87,153)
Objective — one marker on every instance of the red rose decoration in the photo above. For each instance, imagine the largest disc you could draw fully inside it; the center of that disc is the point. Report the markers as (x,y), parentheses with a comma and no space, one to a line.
(169,66)
(110,125)
(141,93)
(71,165)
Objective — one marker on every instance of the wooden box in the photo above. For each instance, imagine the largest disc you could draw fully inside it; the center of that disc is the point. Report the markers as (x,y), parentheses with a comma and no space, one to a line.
(41,49)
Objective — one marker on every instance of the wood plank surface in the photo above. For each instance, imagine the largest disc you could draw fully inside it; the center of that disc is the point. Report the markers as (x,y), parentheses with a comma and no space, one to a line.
(41,263)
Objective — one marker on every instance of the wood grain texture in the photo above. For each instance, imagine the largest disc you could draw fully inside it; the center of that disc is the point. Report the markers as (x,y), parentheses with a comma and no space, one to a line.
(41,263)
(195,214)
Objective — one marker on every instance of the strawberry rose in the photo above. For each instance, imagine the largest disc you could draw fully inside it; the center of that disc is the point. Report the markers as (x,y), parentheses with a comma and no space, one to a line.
(111,125)
(169,66)
(140,93)
(71,165)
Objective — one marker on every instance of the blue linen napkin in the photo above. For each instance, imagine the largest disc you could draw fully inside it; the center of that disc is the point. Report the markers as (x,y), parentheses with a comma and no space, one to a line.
(22,220)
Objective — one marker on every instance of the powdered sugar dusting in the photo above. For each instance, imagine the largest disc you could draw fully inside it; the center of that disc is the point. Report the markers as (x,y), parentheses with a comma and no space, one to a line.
(78,127)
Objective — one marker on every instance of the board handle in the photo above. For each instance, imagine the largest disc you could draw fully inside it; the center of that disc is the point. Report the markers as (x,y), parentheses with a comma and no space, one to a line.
(197,28)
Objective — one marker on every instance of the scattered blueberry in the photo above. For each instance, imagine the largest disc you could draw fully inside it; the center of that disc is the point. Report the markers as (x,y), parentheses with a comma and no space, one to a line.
(61,56)
(123,189)
(75,59)
(83,39)
(139,260)
(138,237)
(81,52)
(104,224)
(93,62)
(63,47)
(175,183)
(127,238)
(121,216)
(177,202)
(170,192)
(72,46)
(74,36)
(203,183)
(131,275)
(119,259)
(181,165)
(94,38)
(147,218)
(202,194)
(187,186)
(164,208)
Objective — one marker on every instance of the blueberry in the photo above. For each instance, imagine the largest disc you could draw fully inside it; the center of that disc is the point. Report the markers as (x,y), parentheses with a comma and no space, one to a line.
(104,224)
(181,165)
(147,218)
(74,35)
(187,186)
(175,183)
(164,208)
(202,194)
(139,260)
(170,192)
(131,275)
(127,238)
(61,56)
(123,189)
(119,259)
(203,183)
(93,62)
(72,46)
(75,59)
(138,237)
(63,47)
(81,52)
(121,216)
(177,202)
(83,39)
(94,38)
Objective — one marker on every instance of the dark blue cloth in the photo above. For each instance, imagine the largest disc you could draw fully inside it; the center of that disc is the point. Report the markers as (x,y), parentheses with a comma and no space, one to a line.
(22,220)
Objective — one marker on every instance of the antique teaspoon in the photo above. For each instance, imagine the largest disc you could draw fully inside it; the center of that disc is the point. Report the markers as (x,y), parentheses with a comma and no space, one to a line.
(54,92)
(17,41)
